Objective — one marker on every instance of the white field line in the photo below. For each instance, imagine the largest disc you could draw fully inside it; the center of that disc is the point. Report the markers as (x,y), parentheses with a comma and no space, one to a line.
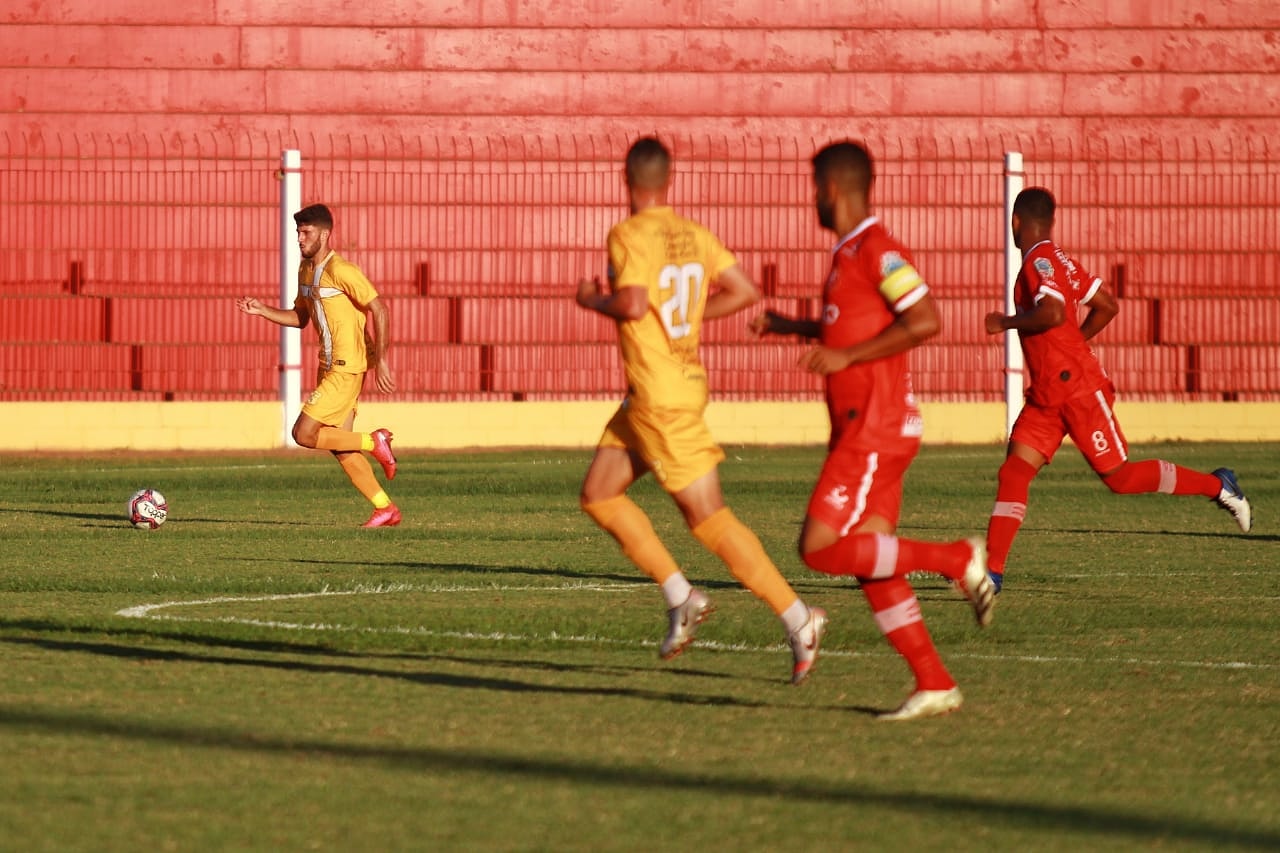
(150,611)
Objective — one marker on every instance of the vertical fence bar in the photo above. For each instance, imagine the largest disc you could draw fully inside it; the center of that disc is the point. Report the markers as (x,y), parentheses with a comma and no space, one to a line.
(1014,180)
(290,258)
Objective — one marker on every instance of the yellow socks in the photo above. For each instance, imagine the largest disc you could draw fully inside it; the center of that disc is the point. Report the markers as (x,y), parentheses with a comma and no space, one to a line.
(362,477)
(740,549)
(627,523)
(332,438)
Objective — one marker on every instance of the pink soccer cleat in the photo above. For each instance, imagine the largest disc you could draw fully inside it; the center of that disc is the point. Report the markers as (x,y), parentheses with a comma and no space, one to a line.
(388,516)
(382,452)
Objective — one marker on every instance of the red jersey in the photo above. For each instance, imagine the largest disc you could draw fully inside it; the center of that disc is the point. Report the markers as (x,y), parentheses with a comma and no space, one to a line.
(872,280)
(1060,363)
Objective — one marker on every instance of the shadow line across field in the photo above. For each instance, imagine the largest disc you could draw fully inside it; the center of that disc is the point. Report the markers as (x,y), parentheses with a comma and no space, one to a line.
(1004,810)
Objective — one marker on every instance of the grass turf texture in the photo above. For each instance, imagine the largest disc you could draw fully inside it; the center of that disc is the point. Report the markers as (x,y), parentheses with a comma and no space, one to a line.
(486,676)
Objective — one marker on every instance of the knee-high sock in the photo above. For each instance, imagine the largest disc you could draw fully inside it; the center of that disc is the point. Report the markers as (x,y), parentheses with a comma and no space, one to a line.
(872,556)
(361,474)
(740,549)
(1012,489)
(1157,475)
(624,521)
(897,615)
(332,438)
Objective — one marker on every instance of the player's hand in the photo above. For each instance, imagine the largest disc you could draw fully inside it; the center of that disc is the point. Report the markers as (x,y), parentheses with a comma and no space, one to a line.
(764,323)
(993,322)
(589,289)
(824,360)
(384,379)
(249,305)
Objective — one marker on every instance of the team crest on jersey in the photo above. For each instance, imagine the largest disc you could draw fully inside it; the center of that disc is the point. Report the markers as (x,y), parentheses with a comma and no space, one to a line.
(890,262)
(830,313)
(837,498)
(1044,267)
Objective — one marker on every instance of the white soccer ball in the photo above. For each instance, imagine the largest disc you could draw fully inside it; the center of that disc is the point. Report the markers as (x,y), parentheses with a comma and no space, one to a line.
(147,509)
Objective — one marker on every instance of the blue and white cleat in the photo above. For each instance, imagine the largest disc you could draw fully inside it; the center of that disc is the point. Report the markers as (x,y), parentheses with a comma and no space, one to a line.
(997,580)
(1232,499)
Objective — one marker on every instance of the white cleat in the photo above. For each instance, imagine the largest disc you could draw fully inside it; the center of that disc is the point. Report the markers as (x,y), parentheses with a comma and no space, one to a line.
(976,583)
(685,619)
(805,643)
(926,703)
(1232,499)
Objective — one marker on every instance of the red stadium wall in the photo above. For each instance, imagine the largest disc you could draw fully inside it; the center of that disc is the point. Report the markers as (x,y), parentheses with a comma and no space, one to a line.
(440,131)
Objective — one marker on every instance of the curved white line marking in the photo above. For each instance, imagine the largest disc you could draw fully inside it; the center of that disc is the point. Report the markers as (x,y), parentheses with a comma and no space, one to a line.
(149,611)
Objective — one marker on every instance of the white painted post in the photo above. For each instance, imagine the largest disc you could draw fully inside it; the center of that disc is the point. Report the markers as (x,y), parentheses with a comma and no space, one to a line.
(290,257)
(1014,180)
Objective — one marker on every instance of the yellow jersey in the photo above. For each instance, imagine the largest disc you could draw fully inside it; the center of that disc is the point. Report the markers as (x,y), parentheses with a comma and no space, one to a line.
(676,260)
(337,298)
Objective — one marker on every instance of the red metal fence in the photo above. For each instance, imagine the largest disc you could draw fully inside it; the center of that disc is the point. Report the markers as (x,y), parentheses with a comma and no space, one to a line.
(120,258)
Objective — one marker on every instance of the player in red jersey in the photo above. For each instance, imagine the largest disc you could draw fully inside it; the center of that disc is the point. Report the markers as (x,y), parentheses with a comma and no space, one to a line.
(1069,392)
(875,308)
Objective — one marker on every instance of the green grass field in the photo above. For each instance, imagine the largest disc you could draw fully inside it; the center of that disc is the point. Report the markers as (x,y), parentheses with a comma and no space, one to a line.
(260,674)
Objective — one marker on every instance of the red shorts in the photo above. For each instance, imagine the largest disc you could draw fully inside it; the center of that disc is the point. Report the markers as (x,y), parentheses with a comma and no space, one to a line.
(856,484)
(1088,419)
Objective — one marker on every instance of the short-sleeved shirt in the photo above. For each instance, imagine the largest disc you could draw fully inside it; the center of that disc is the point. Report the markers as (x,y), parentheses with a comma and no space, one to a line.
(872,280)
(337,309)
(676,260)
(1059,361)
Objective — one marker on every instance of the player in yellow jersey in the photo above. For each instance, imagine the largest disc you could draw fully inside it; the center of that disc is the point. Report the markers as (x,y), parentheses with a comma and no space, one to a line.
(335,296)
(666,274)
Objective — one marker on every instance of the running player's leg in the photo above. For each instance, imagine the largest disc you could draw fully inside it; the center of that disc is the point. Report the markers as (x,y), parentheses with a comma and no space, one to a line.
(604,498)
(855,487)
(335,395)
(334,402)
(1096,431)
(1036,436)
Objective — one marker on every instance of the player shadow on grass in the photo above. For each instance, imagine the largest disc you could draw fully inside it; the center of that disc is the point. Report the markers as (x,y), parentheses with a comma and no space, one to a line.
(477,568)
(996,811)
(118,520)
(950,530)
(426,679)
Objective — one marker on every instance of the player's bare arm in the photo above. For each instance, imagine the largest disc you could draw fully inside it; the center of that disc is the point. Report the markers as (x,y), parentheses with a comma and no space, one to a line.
(625,303)
(736,292)
(1103,308)
(912,327)
(1049,313)
(384,378)
(773,323)
(295,317)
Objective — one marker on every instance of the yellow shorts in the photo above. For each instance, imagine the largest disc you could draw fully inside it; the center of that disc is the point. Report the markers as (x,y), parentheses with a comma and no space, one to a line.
(334,398)
(675,443)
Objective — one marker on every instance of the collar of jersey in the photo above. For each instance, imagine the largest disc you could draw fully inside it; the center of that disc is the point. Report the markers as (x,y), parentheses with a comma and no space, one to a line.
(1036,246)
(862,226)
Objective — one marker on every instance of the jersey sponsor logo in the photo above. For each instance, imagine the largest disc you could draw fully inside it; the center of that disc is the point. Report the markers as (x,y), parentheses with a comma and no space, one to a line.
(830,313)
(1044,267)
(913,426)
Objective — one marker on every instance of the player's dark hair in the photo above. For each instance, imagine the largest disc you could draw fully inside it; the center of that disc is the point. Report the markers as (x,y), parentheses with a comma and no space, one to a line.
(1035,203)
(314,214)
(648,163)
(848,163)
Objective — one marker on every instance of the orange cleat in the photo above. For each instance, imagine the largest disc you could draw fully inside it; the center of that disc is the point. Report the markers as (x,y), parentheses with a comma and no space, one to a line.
(382,452)
(388,516)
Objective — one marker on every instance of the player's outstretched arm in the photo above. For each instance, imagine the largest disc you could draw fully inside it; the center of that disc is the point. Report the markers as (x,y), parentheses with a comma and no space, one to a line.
(1049,313)
(735,291)
(912,327)
(773,323)
(281,316)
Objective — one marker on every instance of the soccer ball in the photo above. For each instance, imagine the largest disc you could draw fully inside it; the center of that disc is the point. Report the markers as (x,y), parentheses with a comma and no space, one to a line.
(147,509)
